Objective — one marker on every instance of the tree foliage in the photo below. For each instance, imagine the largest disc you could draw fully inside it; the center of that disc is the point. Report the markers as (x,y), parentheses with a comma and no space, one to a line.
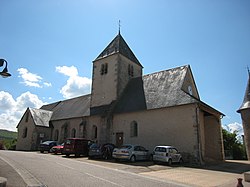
(232,144)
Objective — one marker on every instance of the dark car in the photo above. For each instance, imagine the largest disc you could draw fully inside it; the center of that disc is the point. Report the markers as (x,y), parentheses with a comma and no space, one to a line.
(58,149)
(101,151)
(47,145)
(76,146)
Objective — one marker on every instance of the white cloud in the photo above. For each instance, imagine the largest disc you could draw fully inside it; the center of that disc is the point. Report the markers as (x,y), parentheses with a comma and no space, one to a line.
(68,71)
(234,127)
(11,110)
(31,79)
(48,84)
(75,85)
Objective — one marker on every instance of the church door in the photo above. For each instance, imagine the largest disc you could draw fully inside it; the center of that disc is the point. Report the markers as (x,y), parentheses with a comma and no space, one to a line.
(119,139)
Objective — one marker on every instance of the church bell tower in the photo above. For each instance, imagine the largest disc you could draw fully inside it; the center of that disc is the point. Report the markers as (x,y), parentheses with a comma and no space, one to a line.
(244,110)
(112,70)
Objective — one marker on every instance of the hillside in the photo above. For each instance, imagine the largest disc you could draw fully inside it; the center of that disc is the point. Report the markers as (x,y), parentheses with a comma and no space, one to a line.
(5,134)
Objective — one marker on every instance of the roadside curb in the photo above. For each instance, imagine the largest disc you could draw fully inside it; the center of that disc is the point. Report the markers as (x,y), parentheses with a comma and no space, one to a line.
(27,177)
(3,182)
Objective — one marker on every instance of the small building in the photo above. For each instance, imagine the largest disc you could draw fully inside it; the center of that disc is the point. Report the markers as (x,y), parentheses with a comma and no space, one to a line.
(125,106)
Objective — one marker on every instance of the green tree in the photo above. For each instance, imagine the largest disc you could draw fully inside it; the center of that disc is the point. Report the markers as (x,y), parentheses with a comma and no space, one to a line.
(232,144)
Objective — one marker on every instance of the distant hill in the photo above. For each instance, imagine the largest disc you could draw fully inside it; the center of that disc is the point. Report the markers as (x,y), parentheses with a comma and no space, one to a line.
(5,134)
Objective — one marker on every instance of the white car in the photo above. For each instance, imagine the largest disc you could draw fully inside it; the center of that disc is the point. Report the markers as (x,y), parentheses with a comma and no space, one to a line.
(130,152)
(168,154)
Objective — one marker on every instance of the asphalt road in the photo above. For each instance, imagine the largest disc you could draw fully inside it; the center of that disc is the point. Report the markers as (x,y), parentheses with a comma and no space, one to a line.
(48,170)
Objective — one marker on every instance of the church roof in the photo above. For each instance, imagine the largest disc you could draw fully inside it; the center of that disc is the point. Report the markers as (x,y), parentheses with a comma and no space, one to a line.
(157,90)
(72,108)
(41,117)
(246,101)
(118,45)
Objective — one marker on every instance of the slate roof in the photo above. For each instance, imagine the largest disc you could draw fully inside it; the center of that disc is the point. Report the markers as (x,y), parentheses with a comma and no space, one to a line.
(246,101)
(50,106)
(118,45)
(153,91)
(157,90)
(72,108)
(41,117)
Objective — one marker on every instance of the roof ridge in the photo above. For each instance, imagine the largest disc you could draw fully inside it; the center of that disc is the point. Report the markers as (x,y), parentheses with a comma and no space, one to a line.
(166,70)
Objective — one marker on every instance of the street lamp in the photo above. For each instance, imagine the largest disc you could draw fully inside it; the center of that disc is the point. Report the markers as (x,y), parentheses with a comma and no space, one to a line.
(4,73)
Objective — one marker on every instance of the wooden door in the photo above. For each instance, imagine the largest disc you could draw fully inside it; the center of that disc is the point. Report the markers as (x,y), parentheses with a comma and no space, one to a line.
(119,139)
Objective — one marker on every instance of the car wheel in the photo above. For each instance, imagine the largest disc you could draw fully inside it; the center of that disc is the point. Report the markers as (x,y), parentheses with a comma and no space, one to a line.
(67,155)
(105,156)
(133,159)
(181,161)
(170,162)
(41,151)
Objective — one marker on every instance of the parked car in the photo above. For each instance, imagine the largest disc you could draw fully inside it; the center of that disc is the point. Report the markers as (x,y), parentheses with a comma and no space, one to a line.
(101,151)
(47,145)
(57,149)
(168,154)
(131,152)
(76,146)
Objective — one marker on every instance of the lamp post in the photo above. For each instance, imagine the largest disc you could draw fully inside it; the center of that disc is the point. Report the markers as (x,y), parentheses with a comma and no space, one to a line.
(4,73)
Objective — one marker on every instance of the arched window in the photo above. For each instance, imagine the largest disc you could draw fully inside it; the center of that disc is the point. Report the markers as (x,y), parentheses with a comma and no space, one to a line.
(73,133)
(83,129)
(104,69)
(130,70)
(94,132)
(56,135)
(25,132)
(133,129)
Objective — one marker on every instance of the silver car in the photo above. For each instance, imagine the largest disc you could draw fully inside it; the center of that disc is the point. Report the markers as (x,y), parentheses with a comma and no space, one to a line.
(168,154)
(130,152)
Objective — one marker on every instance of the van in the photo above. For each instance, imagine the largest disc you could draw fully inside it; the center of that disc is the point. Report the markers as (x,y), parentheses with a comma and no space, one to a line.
(76,146)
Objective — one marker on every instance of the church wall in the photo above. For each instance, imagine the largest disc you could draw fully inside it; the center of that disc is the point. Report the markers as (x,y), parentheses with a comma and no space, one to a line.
(123,71)
(70,128)
(213,140)
(26,129)
(104,86)
(167,126)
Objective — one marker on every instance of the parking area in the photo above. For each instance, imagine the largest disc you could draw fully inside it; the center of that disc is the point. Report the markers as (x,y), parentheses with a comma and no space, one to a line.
(221,174)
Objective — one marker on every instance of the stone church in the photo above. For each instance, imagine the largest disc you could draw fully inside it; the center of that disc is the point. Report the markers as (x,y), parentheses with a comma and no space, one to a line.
(127,107)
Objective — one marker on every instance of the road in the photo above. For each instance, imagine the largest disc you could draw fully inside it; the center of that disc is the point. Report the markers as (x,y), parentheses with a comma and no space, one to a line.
(48,170)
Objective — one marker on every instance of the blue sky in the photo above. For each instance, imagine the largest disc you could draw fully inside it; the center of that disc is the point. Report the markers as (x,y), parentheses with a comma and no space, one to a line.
(50,46)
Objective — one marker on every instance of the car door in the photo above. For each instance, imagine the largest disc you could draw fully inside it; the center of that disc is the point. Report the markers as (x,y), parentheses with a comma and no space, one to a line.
(174,155)
(137,153)
(144,153)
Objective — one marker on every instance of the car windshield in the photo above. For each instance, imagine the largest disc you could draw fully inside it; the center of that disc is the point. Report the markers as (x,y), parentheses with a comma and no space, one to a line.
(126,147)
(68,142)
(47,142)
(95,146)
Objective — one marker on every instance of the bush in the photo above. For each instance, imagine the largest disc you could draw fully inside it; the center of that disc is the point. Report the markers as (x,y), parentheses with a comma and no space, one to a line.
(9,144)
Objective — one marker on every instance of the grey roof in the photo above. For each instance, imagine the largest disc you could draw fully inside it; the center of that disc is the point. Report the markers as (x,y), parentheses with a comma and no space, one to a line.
(41,117)
(50,106)
(157,90)
(72,108)
(118,45)
(246,100)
